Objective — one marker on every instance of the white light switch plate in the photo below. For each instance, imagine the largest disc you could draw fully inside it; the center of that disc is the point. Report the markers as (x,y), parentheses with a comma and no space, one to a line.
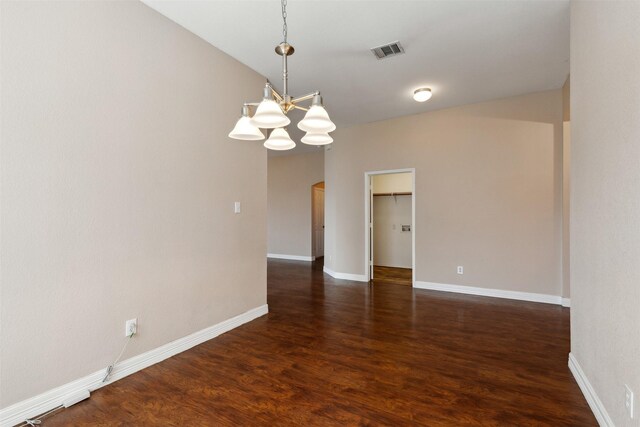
(236,207)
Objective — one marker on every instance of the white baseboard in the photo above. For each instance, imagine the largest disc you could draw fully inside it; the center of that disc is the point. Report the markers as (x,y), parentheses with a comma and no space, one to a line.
(292,257)
(593,400)
(48,400)
(566,302)
(345,276)
(486,292)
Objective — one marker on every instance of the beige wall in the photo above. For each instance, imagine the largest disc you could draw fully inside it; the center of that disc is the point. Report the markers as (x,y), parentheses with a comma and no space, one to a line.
(488,192)
(392,183)
(605,199)
(391,245)
(118,184)
(289,199)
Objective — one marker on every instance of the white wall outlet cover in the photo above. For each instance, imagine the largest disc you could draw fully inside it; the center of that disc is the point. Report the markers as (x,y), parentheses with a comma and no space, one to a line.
(236,207)
(460,269)
(131,327)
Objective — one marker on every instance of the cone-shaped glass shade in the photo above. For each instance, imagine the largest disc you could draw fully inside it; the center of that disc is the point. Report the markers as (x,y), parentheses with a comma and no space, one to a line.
(317,121)
(279,140)
(246,131)
(317,139)
(269,115)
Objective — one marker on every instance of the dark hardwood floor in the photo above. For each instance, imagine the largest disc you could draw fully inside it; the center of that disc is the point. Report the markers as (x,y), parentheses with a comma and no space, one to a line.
(340,353)
(392,275)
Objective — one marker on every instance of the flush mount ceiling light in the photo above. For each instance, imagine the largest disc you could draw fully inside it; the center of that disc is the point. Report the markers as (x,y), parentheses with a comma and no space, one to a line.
(422,94)
(271,112)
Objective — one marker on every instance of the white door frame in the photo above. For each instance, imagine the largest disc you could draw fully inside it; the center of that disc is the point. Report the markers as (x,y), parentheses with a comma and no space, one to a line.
(314,220)
(367,212)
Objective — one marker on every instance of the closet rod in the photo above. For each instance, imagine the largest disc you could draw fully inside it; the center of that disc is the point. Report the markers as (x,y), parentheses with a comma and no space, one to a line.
(392,194)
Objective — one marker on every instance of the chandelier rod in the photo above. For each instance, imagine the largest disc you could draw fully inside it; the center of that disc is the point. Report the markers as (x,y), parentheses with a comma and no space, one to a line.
(285,76)
(283,3)
(285,50)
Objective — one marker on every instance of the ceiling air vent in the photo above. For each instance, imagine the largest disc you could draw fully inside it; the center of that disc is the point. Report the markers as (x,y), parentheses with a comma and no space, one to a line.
(388,50)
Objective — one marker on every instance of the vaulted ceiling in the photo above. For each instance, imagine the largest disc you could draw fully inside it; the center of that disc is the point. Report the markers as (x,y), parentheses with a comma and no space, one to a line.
(466,51)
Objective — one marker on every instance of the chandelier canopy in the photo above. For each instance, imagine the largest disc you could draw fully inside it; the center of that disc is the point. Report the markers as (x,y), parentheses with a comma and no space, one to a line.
(271,112)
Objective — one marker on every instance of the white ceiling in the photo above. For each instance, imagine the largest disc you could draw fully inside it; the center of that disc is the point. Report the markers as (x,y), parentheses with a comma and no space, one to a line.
(466,51)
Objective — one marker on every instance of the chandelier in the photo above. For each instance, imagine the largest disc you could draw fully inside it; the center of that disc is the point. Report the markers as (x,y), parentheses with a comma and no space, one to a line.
(271,112)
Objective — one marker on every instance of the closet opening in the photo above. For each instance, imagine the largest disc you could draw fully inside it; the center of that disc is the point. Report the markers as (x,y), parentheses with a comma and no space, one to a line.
(390,219)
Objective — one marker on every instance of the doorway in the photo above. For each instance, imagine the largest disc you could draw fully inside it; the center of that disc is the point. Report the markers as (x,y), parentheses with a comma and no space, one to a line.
(389,226)
(317,220)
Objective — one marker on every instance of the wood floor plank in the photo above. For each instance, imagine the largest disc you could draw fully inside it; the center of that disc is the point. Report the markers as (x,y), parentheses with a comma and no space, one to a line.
(340,353)
(392,275)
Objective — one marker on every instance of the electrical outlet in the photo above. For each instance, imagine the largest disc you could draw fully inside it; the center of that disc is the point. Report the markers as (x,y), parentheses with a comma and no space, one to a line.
(131,327)
(460,269)
(628,400)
